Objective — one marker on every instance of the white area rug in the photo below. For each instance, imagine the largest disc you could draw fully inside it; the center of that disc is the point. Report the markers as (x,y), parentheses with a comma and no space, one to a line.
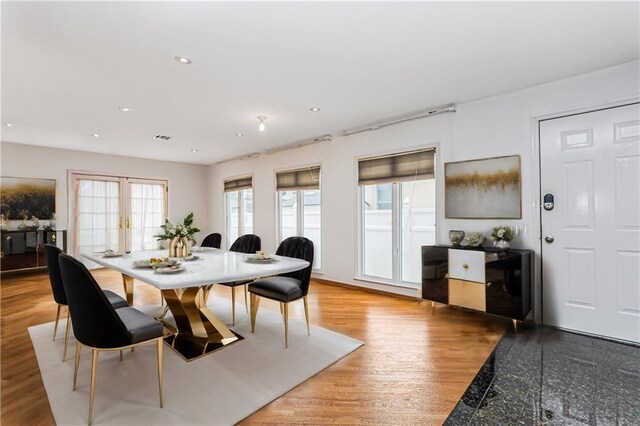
(220,389)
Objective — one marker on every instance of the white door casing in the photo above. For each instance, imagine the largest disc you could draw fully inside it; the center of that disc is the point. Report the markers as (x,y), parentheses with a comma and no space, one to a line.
(591,270)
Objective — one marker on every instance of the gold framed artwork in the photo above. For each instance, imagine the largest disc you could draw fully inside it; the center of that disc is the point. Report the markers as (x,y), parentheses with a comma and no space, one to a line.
(488,188)
(22,198)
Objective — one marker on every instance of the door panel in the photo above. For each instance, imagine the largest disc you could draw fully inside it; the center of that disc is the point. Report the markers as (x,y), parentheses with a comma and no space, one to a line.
(591,268)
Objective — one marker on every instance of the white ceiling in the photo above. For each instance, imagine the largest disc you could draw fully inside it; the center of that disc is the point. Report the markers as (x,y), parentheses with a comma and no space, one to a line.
(68,66)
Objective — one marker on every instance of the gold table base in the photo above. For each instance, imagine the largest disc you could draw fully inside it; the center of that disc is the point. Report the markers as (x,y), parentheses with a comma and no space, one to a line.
(198,331)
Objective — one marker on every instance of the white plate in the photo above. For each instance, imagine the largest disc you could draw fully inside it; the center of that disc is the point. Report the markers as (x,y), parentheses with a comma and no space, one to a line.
(169,270)
(113,254)
(253,259)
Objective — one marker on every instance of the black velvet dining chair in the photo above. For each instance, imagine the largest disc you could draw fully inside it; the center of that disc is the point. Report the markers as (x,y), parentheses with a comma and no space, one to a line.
(285,288)
(51,253)
(99,327)
(212,240)
(248,243)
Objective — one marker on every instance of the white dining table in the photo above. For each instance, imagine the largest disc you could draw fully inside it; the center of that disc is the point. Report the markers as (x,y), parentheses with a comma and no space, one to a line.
(197,330)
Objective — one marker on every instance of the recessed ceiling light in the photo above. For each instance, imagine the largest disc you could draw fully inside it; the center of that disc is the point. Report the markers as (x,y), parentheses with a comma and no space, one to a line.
(8,125)
(194,150)
(95,135)
(314,109)
(239,134)
(125,109)
(183,60)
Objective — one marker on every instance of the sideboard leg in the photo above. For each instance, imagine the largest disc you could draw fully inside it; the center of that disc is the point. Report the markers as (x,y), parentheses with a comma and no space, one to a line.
(515,326)
(433,307)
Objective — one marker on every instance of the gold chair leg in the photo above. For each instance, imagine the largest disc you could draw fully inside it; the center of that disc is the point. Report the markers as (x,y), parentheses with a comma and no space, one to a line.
(55,327)
(66,336)
(306,313)
(165,310)
(286,325)
(281,311)
(255,302)
(120,354)
(75,370)
(246,303)
(233,305)
(433,307)
(160,343)
(92,392)
(161,299)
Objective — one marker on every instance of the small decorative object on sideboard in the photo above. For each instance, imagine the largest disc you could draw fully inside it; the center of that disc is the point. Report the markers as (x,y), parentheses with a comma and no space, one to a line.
(476,239)
(456,237)
(502,236)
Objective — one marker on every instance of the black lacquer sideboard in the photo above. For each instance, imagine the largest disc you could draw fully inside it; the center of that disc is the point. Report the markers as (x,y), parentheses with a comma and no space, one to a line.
(483,279)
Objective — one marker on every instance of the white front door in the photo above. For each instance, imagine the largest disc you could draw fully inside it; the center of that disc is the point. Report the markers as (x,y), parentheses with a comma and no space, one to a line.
(590,163)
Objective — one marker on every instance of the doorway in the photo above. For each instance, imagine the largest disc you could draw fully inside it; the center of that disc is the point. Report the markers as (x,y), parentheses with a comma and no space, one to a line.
(116,213)
(590,184)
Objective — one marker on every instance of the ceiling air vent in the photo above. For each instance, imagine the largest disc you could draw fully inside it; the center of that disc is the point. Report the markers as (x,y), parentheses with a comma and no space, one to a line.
(162,137)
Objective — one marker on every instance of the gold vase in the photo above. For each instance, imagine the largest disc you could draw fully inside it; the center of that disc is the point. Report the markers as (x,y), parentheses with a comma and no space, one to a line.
(179,247)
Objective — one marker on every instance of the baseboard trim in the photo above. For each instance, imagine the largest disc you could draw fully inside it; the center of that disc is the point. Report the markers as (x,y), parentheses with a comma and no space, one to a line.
(366,289)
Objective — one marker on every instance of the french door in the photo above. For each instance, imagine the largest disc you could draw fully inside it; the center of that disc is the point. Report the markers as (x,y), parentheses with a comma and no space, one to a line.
(590,176)
(116,213)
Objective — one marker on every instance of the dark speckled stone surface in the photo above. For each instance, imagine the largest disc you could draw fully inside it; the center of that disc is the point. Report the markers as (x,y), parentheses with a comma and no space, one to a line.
(545,376)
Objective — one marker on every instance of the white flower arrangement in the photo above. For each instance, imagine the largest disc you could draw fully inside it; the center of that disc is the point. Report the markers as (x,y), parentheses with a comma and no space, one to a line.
(502,233)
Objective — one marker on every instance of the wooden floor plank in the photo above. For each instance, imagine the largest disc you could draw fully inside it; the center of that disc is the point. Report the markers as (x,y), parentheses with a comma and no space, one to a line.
(413,368)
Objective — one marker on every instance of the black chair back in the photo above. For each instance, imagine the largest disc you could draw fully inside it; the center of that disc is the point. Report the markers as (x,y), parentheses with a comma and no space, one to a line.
(248,243)
(95,322)
(212,240)
(300,248)
(51,254)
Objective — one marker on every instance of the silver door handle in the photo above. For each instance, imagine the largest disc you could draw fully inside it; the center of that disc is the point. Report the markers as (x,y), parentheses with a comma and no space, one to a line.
(549,239)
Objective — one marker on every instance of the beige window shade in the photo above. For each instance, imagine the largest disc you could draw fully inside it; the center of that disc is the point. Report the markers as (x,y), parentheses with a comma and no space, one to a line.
(402,167)
(238,184)
(293,180)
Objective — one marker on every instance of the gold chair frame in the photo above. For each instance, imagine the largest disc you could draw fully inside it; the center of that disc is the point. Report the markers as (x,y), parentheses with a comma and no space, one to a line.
(94,367)
(284,311)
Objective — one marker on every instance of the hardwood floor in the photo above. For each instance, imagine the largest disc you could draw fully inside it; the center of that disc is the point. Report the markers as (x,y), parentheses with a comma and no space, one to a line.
(412,369)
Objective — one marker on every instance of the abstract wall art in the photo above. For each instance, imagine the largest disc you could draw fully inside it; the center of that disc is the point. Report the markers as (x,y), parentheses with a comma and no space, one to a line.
(24,197)
(487,188)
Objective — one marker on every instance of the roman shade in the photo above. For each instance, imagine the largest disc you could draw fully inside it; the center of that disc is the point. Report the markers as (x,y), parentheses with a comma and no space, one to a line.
(293,180)
(402,167)
(238,184)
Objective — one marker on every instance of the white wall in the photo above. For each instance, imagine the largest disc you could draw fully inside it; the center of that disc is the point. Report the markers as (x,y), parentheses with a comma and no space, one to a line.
(188,186)
(501,125)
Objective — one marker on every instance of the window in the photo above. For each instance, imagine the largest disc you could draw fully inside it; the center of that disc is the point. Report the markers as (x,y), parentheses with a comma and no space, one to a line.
(397,215)
(299,207)
(238,208)
(117,213)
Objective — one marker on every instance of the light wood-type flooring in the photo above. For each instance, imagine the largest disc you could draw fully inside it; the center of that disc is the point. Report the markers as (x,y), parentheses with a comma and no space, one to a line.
(412,369)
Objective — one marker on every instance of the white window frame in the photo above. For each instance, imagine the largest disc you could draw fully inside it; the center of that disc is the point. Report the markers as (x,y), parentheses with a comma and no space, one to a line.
(396,205)
(299,213)
(241,224)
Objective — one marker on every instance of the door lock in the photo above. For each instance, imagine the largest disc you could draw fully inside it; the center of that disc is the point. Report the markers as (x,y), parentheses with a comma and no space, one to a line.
(549,239)
(548,202)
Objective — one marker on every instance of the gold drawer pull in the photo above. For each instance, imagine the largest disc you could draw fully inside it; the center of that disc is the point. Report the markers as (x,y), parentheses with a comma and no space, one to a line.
(488,284)
(465,266)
